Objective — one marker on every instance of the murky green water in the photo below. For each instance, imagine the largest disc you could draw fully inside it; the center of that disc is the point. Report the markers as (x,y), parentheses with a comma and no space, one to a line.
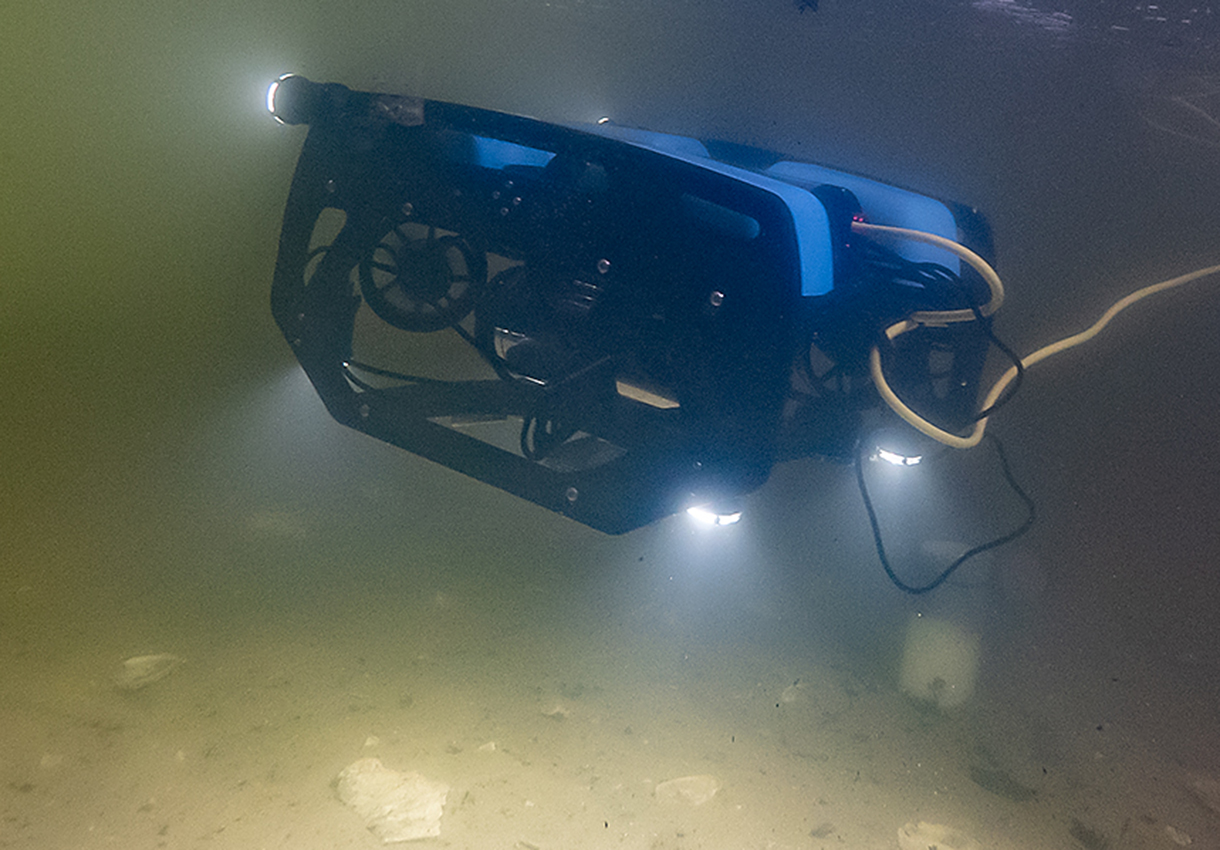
(171,484)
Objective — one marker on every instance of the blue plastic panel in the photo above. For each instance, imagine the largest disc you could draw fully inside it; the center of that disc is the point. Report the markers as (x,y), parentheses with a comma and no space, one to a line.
(496,153)
(810,220)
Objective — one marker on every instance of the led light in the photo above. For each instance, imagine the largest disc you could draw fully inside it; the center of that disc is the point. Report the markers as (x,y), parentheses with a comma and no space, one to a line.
(897,446)
(714,514)
(292,99)
(271,90)
(895,458)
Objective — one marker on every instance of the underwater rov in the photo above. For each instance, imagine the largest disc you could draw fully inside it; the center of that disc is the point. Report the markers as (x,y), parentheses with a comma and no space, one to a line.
(614,324)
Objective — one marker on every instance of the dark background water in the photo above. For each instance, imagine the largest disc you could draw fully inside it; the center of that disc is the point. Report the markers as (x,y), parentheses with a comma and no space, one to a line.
(168,476)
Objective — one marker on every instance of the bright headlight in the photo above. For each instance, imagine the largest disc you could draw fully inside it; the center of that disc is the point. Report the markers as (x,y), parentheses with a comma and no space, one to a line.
(896,458)
(272,90)
(715,514)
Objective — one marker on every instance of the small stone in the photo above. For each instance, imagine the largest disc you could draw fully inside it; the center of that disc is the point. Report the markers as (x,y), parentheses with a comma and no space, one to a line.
(1206,790)
(934,836)
(1178,837)
(395,806)
(695,790)
(141,671)
(556,712)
